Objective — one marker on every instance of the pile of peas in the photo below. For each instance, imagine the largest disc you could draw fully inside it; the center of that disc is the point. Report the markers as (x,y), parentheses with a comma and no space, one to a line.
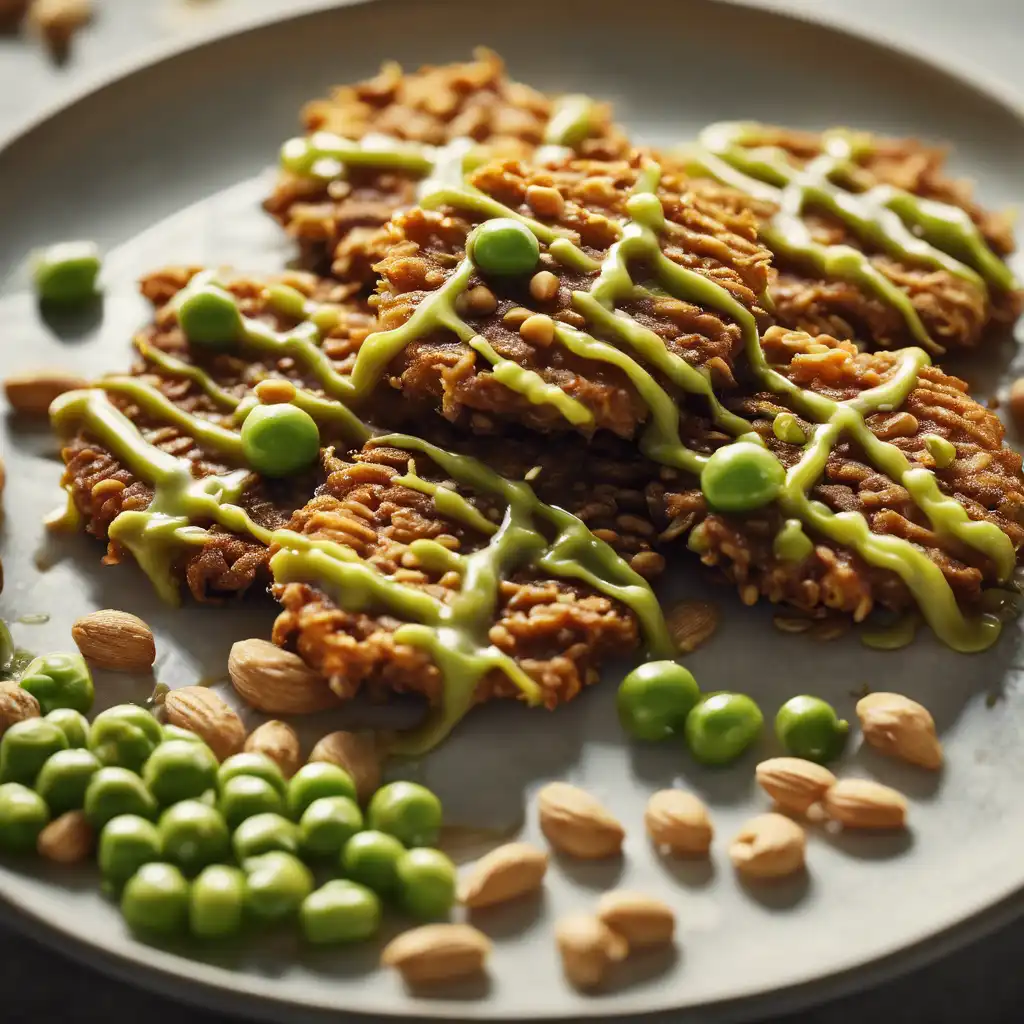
(661,700)
(188,845)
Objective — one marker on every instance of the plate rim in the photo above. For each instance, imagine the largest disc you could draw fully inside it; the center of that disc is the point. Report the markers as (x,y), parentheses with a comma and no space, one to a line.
(166,972)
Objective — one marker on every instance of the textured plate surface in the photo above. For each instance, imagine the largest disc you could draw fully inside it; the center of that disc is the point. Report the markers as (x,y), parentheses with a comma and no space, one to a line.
(159,168)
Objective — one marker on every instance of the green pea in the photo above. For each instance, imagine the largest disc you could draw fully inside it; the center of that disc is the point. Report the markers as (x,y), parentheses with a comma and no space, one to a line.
(276,883)
(258,765)
(180,770)
(66,273)
(809,727)
(327,825)
(245,796)
(407,811)
(371,858)
(722,726)
(426,883)
(7,647)
(504,247)
(192,835)
(264,833)
(280,440)
(217,902)
(126,843)
(60,680)
(73,724)
(26,746)
(741,476)
(23,815)
(654,700)
(65,777)
(315,780)
(114,791)
(155,900)
(124,736)
(175,732)
(340,911)
(210,317)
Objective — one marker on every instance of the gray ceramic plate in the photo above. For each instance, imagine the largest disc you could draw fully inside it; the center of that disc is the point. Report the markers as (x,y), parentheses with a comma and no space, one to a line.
(158,166)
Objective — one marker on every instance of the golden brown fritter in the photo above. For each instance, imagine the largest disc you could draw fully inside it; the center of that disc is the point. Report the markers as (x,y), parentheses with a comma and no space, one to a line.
(336,224)
(559,632)
(710,233)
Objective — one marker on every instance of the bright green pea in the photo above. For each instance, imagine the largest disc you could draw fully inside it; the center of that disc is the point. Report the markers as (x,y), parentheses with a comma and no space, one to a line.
(255,764)
(7,647)
(66,273)
(73,724)
(722,726)
(426,883)
(315,780)
(276,884)
(155,900)
(809,727)
(245,796)
(340,911)
(126,843)
(741,476)
(175,732)
(217,902)
(210,317)
(23,815)
(654,700)
(192,835)
(327,825)
(264,833)
(64,779)
(180,770)
(124,736)
(504,247)
(407,811)
(280,440)
(60,680)
(371,858)
(26,746)
(115,791)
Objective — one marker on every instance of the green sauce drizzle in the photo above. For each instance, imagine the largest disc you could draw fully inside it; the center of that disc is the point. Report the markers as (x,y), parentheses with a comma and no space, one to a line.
(791,544)
(571,121)
(941,450)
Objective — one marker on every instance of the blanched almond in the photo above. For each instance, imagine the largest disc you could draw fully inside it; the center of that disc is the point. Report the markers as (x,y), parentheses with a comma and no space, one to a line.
(278,741)
(679,821)
(68,839)
(589,949)
(357,754)
(640,919)
(209,716)
(437,952)
(16,704)
(900,727)
(793,783)
(510,871)
(115,640)
(577,823)
(769,846)
(276,681)
(861,803)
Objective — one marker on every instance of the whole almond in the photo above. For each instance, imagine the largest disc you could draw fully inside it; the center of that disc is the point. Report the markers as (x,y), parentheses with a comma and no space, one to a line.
(209,716)
(861,803)
(115,640)
(437,952)
(504,874)
(900,727)
(16,705)
(794,784)
(692,623)
(679,821)
(357,754)
(589,949)
(278,741)
(32,393)
(277,682)
(58,20)
(577,824)
(769,846)
(641,920)
(68,839)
